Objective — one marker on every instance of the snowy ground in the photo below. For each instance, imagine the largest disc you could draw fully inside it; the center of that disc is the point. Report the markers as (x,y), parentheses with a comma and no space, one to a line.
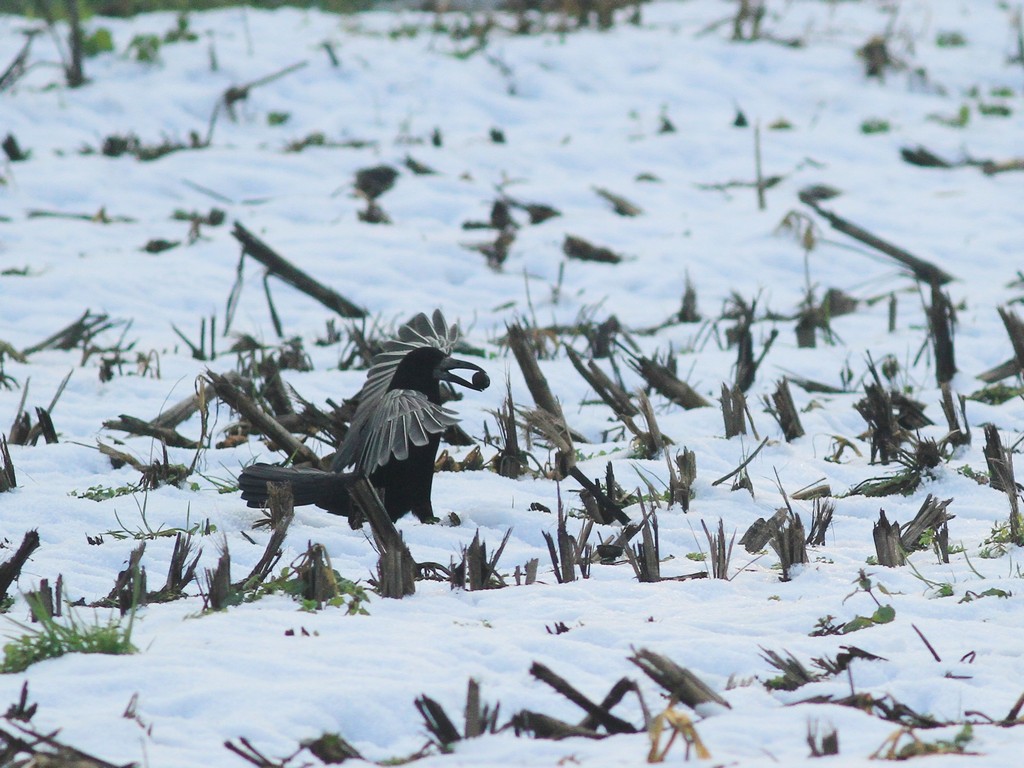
(578,110)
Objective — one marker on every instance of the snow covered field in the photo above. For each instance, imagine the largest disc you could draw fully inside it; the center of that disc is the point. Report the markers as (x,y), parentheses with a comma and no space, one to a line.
(579,111)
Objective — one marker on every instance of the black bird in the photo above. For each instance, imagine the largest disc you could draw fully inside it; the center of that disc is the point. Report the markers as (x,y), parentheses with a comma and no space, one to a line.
(395,432)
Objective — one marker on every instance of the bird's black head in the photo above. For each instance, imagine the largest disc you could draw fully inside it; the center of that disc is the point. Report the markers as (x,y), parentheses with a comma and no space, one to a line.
(424,368)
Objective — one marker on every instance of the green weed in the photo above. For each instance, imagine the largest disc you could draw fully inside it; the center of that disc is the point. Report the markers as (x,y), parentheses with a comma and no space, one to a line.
(904,744)
(104,492)
(884,614)
(146,531)
(996,394)
(950,40)
(52,638)
(970,596)
(144,49)
(875,125)
(994,110)
(959,120)
(100,41)
(344,593)
(998,542)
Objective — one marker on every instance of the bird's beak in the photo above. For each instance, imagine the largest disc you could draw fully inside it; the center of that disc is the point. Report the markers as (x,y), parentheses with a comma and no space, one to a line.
(443,371)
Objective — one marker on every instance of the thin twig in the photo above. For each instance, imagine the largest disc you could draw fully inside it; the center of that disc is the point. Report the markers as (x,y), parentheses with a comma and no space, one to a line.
(926,643)
(740,468)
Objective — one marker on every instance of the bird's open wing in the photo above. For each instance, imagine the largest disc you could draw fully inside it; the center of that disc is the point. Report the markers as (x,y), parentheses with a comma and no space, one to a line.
(404,418)
(421,331)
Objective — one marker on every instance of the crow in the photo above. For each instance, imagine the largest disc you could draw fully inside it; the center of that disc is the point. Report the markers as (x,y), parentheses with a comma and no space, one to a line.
(394,433)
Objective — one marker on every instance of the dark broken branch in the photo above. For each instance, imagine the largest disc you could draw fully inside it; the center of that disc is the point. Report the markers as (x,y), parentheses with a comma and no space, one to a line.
(396,569)
(17,67)
(241,92)
(956,417)
(930,517)
(923,270)
(610,510)
(8,478)
(992,167)
(284,269)
(667,383)
(784,411)
(761,531)
(132,425)
(597,713)
(577,248)
(79,332)
(789,542)
(620,205)
(603,385)
(822,511)
(941,318)
(281,511)
(644,556)
(734,406)
(261,421)
(680,683)
(720,552)
(437,721)
(1015,330)
(1000,465)
(10,569)
(888,549)
(547,727)
(535,380)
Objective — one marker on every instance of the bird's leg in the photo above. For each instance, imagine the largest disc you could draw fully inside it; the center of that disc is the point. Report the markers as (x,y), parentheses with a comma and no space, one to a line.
(425,513)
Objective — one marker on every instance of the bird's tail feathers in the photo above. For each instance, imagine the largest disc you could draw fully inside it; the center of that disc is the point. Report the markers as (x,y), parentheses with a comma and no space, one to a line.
(327,490)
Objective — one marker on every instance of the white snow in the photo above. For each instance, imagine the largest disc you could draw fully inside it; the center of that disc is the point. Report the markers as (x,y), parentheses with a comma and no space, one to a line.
(579,110)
